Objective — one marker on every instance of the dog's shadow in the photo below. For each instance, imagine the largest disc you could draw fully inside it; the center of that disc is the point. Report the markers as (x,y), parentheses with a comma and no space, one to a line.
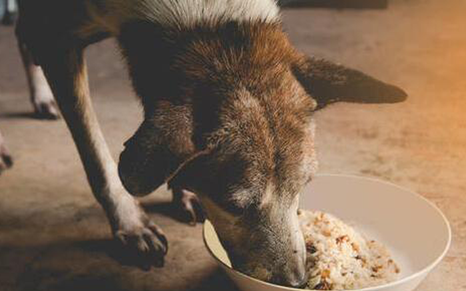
(18,115)
(85,265)
(27,115)
(74,263)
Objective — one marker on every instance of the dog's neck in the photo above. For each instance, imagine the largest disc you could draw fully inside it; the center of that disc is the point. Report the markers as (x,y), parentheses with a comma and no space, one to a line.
(188,14)
(234,79)
(207,61)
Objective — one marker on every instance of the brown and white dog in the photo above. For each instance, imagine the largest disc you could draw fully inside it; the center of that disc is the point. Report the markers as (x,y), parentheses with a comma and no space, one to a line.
(228,106)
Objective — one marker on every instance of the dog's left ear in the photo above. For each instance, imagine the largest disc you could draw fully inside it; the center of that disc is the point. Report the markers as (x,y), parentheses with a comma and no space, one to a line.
(328,83)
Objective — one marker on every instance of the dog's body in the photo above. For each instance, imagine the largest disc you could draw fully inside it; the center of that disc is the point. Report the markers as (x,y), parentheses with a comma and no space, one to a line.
(228,115)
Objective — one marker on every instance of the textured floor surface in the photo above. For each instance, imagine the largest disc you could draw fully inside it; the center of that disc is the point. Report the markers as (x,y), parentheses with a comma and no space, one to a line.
(54,237)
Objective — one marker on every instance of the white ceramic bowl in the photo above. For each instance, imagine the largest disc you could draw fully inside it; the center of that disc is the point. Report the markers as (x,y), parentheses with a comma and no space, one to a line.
(415,231)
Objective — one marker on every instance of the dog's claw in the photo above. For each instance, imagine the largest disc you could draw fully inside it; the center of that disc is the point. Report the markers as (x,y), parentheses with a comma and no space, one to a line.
(146,245)
(143,242)
(160,235)
(188,203)
(46,110)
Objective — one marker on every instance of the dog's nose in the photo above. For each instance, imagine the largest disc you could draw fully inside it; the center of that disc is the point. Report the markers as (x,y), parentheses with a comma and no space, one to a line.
(296,278)
(298,281)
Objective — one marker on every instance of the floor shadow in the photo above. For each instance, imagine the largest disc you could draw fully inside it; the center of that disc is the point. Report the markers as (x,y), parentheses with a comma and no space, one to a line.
(71,266)
(27,115)
(335,4)
(116,251)
(84,265)
(216,281)
(18,115)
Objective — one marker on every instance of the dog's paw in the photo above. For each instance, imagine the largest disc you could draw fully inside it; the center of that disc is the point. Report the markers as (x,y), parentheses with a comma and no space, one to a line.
(6,161)
(46,110)
(143,242)
(42,98)
(189,205)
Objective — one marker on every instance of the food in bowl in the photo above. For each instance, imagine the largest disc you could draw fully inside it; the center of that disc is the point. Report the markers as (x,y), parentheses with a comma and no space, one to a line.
(340,258)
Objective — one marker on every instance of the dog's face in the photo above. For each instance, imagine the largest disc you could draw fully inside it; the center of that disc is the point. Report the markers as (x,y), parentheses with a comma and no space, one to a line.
(263,240)
(244,141)
(250,191)
(262,157)
(249,179)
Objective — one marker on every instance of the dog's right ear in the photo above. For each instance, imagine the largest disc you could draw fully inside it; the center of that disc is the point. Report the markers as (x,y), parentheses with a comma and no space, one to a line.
(328,82)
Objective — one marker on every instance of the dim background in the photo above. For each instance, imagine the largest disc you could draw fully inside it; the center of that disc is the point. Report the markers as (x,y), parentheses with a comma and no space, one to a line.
(54,236)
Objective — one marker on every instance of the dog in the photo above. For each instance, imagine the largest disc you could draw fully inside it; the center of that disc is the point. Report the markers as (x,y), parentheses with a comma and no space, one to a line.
(40,94)
(228,117)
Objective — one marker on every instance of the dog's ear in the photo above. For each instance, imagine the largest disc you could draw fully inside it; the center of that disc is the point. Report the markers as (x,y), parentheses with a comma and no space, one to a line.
(329,82)
(154,153)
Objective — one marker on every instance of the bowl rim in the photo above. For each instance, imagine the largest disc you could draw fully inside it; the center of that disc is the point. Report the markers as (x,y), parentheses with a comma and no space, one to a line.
(426,270)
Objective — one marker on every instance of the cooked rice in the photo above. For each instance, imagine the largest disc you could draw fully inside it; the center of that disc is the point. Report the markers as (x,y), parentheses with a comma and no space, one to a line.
(339,258)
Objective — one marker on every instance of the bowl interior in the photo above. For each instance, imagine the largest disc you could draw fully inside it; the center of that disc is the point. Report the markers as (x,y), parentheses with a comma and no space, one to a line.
(413,229)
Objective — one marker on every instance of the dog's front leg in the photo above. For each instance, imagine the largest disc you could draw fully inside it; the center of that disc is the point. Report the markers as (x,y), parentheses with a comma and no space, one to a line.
(39,91)
(66,72)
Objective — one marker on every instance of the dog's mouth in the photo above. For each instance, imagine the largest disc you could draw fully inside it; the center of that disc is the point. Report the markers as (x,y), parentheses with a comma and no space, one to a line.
(279,277)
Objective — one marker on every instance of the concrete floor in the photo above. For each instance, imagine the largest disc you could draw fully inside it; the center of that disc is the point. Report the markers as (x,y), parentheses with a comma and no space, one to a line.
(54,237)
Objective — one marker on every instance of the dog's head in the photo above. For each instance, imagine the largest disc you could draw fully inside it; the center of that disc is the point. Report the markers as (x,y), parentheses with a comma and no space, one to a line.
(250,180)
(244,142)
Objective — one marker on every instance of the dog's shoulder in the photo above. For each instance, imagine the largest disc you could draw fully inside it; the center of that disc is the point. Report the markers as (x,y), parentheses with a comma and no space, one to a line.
(90,19)
(112,14)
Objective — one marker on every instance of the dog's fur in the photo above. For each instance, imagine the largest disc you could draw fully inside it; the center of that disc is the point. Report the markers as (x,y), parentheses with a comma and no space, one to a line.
(228,105)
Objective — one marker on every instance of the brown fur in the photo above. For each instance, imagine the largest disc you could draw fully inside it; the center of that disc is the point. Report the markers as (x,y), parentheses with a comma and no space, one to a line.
(246,96)
(236,86)
(227,114)
(246,128)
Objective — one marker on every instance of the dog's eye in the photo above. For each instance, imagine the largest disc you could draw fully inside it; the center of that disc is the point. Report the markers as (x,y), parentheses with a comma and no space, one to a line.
(229,206)
(239,201)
